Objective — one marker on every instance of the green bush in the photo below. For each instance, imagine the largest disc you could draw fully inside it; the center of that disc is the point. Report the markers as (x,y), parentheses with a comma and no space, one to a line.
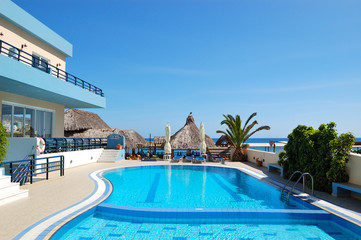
(357,151)
(321,152)
(3,142)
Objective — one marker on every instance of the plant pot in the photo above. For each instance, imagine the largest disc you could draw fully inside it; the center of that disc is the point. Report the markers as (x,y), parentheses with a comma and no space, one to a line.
(119,147)
(259,163)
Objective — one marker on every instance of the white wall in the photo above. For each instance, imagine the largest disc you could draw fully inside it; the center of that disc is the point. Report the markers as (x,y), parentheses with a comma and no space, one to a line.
(19,148)
(76,158)
(268,157)
(353,168)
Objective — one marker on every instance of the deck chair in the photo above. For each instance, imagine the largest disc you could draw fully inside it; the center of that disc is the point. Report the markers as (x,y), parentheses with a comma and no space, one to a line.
(217,159)
(176,159)
(149,160)
(198,160)
(188,159)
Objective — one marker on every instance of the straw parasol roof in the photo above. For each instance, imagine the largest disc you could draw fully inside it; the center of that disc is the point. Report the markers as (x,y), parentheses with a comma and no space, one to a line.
(222,141)
(78,120)
(132,138)
(188,136)
(159,140)
(83,124)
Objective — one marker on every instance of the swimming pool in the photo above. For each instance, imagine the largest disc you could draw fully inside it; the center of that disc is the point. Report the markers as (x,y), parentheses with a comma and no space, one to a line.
(184,186)
(156,202)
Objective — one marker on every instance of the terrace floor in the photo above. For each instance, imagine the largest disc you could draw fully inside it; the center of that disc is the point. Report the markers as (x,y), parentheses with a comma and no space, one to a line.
(49,196)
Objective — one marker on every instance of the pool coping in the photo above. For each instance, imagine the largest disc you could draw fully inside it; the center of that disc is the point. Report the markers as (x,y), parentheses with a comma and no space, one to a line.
(46,227)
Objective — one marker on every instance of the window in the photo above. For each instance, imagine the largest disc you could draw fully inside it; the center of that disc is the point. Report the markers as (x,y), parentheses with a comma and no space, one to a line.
(18,122)
(13,53)
(41,63)
(26,121)
(29,122)
(6,116)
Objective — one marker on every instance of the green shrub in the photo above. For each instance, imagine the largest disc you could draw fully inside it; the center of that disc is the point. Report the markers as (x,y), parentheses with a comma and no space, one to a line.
(321,152)
(3,142)
(357,151)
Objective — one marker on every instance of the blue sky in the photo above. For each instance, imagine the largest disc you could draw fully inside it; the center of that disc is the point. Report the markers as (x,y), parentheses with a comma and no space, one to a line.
(292,62)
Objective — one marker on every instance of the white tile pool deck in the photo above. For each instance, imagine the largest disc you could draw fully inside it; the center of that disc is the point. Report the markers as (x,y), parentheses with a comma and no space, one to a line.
(49,196)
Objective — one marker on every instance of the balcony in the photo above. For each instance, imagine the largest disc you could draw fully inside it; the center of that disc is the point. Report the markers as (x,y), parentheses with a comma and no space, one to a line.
(28,75)
(33,61)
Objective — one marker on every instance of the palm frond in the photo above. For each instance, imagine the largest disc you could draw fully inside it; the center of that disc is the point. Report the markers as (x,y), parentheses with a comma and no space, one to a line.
(235,133)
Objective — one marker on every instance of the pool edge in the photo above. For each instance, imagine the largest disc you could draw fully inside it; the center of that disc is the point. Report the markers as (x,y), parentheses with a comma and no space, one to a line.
(54,226)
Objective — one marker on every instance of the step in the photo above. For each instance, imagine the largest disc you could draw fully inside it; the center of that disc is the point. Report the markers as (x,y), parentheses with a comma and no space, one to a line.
(5,179)
(108,155)
(111,151)
(107,159)
(13,196)
(8,187)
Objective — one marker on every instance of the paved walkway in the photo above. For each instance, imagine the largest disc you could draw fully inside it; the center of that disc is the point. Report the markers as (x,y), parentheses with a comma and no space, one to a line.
(49,196)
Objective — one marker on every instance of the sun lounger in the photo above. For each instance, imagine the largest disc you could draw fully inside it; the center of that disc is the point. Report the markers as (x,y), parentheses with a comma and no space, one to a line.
(176,159)
(217,159)
(198,160)
(149,159)
(188,159)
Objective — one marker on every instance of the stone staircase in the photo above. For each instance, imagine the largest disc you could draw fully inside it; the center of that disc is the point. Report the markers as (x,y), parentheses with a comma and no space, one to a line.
(109,155)
(10,191)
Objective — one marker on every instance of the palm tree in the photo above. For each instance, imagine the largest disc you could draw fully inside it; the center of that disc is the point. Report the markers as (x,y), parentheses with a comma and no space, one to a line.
(237,136)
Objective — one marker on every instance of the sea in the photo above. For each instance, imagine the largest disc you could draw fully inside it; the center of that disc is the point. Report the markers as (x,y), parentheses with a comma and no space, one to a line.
(264,140)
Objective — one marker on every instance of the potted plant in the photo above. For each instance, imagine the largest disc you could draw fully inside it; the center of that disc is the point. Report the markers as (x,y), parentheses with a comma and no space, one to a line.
(119,147)
(258,162)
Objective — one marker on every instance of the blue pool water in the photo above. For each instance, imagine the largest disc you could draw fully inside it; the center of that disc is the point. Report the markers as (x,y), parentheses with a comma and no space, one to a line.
(192,187)
(198,202)
(110,227)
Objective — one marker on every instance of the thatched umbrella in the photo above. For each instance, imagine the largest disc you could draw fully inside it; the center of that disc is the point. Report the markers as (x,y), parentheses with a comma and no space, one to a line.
(76,120)
(96,133)
(132,138)
(222,141)
(159,140)
(188,136)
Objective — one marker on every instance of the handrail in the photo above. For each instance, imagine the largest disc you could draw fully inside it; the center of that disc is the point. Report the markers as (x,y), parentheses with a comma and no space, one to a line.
(28,59)
(20,176)
(303,177)
(284,187)
(32,168)
(293,186)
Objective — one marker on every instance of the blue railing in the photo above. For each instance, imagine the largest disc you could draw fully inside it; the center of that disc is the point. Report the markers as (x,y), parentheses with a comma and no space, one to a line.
(53,145)
(19,174)
(23,171)
(36,62)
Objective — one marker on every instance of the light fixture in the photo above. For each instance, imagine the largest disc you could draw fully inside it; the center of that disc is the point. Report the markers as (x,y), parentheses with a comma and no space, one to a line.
(23,46)
(1,34)
(58,65)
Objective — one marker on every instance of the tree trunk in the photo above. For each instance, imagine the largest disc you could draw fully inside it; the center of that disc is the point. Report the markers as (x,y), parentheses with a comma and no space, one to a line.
(239,155)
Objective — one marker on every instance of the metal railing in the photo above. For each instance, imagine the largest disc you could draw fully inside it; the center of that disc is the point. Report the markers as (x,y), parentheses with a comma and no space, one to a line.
(34,61)
(302,176)
(19,173)
(53,145)
(23,171)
